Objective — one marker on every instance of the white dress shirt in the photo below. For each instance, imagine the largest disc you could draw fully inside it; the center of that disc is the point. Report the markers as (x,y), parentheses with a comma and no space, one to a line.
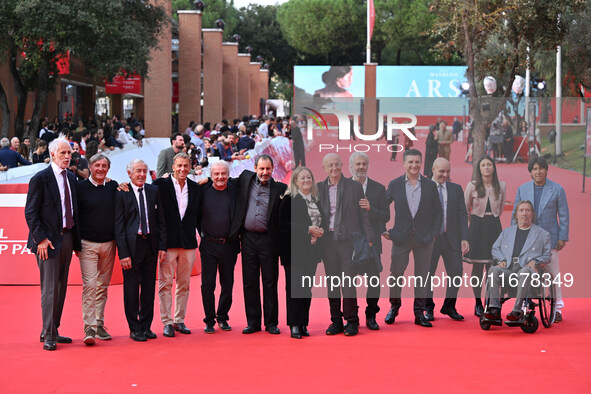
(137,198)
(57,172)
(182,196)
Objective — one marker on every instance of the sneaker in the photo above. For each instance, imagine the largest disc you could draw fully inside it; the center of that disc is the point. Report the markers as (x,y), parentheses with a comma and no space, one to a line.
(351,329)
(558,317)
(334,328)
(101,333)
(89,335)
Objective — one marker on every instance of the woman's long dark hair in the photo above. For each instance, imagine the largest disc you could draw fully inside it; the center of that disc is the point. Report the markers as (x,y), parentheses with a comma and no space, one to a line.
(479,183)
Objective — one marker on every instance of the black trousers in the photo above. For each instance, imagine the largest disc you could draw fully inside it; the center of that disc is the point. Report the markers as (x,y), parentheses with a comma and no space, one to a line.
(258,260)
(337,262)
(298,296)
(373,292)
(216,257)
(299,154)
(400,257)
(452,260)
(54,283)
(139,286)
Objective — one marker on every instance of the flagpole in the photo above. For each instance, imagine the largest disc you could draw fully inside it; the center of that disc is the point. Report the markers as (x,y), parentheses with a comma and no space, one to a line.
(368,46)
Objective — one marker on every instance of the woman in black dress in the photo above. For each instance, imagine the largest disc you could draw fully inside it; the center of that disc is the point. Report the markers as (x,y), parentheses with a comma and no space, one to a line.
(301,231)
(485,200)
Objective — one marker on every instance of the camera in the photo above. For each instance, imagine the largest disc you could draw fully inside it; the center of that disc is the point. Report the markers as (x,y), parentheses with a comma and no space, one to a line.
(75,159)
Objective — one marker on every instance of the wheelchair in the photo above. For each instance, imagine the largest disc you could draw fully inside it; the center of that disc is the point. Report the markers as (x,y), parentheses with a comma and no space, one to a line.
(542,297)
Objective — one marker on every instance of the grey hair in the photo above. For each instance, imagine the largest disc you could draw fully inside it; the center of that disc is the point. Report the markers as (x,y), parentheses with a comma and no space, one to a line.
(132,163)
(97,157)
(222,163)
(354,157)
(54,145)
(4,142)
(181,155)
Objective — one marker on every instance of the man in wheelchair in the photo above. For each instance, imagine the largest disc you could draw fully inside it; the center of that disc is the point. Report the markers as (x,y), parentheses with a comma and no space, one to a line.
(520,251)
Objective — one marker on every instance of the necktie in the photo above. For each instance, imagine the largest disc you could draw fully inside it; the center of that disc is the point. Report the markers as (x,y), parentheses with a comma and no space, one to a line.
(143,222)
(68,202)
(442,230)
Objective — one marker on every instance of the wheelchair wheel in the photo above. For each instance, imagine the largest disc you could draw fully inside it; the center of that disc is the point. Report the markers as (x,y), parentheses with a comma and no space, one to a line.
(531,325)
(483,324)
(547,305)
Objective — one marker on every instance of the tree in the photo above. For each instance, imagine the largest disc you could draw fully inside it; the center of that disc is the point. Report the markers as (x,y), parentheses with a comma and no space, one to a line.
(493,37)
(108,37)
(331,29)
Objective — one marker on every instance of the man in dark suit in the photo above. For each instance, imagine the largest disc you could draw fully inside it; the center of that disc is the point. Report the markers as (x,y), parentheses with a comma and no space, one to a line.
(257,216)
(452,241)
(246,142)
(417,223)
(140,234)
(340,199)
(219,248)
(179,203)
(376,204)
(51,212)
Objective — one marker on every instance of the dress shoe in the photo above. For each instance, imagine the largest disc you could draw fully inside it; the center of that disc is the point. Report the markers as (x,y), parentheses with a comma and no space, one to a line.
(335,328)
(558,317)
(478,310)
(493,314)
(273,330)
(138,336)
(168,331)
(251,329)
(391,316)
(209,329)
(452,313)
(304,331)
(180,327)
(514,315)
(101,333)
(59,339)
(351,329)
(149,334)
(224,325)
(371,323)
(429,315)
(49,345)
(295,332)
(89,337)
(422,321)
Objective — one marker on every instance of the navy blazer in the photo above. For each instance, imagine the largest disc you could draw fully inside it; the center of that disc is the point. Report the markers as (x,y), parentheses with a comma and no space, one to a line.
(426,224)
(180,233)
(43,211)
(457,217)
(127,221)
(379,210)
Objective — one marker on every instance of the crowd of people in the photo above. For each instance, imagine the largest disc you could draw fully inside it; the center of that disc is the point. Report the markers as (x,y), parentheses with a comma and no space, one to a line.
(338,221)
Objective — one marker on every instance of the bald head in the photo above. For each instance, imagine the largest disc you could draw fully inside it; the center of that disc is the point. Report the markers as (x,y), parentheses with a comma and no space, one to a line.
(333,165)
(441,170)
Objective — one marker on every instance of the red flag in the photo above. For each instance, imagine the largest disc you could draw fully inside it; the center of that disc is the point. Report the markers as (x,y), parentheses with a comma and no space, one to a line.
(372,17)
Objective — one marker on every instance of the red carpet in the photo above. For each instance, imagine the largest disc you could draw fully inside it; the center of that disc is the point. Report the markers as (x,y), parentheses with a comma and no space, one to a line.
(450,357)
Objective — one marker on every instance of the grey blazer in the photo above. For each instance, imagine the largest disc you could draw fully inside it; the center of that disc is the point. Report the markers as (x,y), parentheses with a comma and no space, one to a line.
(536,247)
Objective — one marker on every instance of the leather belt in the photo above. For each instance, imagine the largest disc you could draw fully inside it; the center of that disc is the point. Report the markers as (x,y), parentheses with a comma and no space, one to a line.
(217,240)
(66,230)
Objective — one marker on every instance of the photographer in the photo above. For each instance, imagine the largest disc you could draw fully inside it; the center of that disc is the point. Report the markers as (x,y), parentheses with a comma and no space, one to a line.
(78,164)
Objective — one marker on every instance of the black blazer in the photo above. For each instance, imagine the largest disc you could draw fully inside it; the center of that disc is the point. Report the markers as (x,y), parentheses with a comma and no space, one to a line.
(127,221)
(179,233)
(294,223)
(349,217)
(427,222)
(457,217)
(379,210)
(277,190)
(43,211)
